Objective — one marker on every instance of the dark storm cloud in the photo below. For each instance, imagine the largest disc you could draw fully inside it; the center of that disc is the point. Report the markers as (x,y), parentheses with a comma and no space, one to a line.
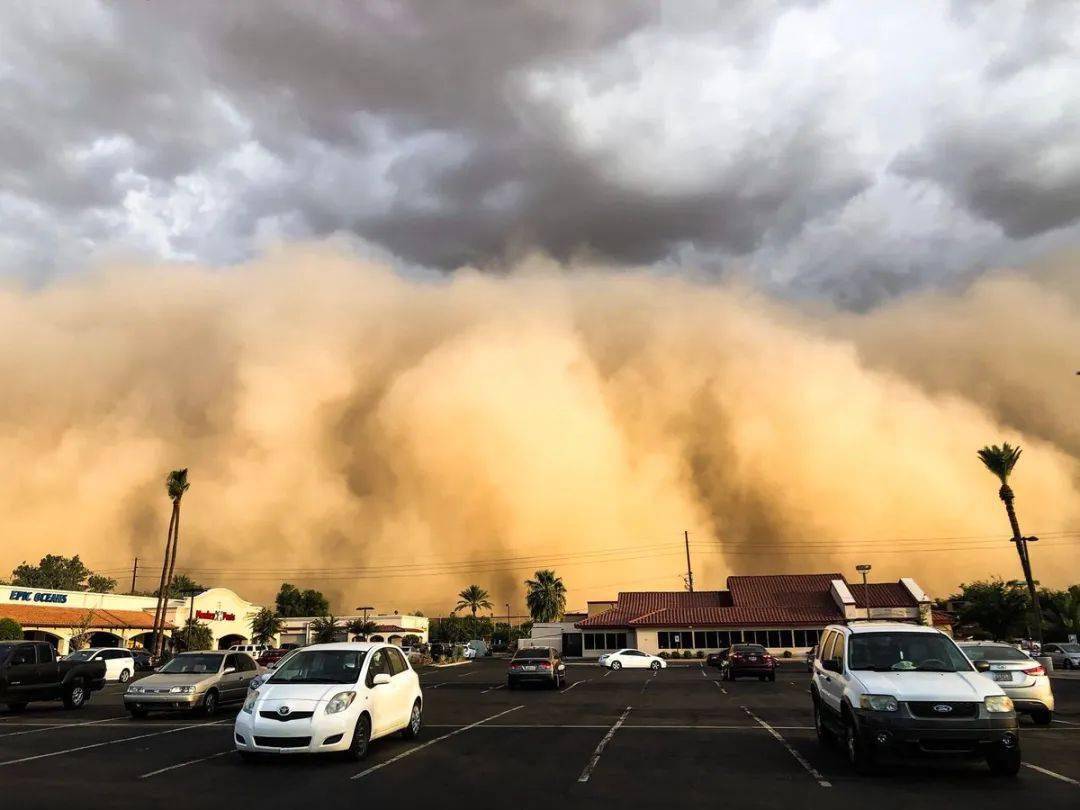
(753,133)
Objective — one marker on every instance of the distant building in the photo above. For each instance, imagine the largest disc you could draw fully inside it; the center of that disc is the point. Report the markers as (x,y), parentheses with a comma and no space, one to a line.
(390,627)
(784,612)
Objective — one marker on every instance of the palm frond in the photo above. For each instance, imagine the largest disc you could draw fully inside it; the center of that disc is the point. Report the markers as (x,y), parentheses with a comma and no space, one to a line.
(177,483)
(1000,460)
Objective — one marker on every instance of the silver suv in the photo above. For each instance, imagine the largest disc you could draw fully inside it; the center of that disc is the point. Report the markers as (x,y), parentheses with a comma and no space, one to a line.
(902,688)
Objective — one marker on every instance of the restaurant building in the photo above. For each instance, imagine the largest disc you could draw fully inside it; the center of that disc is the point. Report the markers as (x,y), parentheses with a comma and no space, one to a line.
(122,620)
(392,628)
(785,613)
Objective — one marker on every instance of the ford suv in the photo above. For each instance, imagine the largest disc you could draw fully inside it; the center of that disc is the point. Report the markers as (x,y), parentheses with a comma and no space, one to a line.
(901,688)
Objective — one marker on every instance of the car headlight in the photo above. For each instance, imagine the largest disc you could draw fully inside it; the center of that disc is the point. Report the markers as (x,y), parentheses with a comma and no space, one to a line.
(340,702)
(182,690)
(134,690)
(879,703)
(249,704)
(258,681)
(998,704)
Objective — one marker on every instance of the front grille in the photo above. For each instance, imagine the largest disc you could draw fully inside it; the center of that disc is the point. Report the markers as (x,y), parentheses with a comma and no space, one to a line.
(290,716)
(283,742)
(936,709)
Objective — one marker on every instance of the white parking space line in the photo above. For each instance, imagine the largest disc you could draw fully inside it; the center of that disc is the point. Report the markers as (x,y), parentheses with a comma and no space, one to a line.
(422,746)
(107,742)
(722,689)
(608,672)
(492,689)
(1064,722)
(185,764)
(51,726)
(592,763)
(810,769)
(437,685)
(1054,774)
(575,683)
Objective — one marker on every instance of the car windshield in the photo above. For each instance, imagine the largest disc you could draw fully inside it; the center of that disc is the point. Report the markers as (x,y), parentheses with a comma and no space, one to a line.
(539,652)
(321,666)
(193,663)
(993,652)
(81,655)
(1070,648)
(905,652)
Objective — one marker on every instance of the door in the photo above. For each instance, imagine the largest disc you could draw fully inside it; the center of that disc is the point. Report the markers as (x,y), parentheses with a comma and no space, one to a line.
(571,644)
(830,683)
(401,680)
(248,670)
(21,673)
(112,671)
(382,697)
(231,685)
(634,659)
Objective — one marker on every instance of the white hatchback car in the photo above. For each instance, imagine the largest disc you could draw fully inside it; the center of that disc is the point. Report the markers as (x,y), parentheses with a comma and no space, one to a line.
(119,663)
(331,697)
(631,659)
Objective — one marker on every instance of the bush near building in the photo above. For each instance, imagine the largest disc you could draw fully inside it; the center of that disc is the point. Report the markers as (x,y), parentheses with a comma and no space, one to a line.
(10,630)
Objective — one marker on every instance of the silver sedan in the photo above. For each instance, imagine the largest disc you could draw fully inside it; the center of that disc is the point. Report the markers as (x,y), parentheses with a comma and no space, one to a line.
(1020,676)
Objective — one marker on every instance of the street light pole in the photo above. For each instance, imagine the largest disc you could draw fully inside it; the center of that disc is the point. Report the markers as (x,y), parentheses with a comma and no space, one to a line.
(864,570)
(508,626)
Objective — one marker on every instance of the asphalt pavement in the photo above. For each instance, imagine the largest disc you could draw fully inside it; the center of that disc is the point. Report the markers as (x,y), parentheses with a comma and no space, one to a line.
(635,738)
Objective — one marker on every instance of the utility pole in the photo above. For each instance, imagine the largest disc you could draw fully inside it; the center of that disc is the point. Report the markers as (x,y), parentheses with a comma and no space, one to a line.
(134,574)
(864,570)
(689,570)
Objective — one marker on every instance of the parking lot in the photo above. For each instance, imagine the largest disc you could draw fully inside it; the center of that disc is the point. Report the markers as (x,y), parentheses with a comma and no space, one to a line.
(632,737)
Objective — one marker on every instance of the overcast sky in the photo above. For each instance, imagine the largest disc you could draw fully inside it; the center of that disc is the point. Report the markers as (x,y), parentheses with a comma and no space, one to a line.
(846,149)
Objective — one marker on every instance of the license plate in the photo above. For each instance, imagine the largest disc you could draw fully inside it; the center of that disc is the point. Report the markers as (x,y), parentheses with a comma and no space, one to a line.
(530,669)
(753,658)
(1002,676)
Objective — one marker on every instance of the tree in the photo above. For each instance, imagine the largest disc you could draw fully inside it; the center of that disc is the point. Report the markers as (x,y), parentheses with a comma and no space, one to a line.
(325,629)
(1063,608)
(451,629)
(81,638)
(100,584)
(182,583)
(53,571)
(1001,461)
(10,630)
(474,598)
(998,607)
(175,486)
(545,596)
(291,601)
(194,635)
(362,628)
(265,625)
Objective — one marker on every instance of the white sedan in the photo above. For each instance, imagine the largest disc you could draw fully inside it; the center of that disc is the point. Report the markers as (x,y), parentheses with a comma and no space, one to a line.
(331,697)
(632,659)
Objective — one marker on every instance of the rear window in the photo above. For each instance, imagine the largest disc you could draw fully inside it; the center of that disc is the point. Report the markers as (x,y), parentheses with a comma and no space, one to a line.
(533,653)
(748,648)
(1070,648)
(993,652)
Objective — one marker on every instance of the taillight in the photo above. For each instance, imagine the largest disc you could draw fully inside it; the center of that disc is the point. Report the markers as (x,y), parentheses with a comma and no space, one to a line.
(545,665)
(1039,670)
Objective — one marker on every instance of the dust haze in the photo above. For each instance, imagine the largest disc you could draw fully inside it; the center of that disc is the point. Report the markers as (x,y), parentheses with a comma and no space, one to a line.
(390,438)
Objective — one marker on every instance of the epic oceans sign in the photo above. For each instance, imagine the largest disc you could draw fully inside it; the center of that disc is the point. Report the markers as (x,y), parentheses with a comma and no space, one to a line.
(37,596)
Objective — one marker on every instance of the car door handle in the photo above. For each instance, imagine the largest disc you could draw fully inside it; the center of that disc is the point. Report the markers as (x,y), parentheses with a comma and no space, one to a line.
(828,679)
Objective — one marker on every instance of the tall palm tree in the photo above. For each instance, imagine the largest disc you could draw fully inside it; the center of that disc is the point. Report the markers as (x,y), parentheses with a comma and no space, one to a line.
(175,485)
(1001,461)
(474,597)
(545,596)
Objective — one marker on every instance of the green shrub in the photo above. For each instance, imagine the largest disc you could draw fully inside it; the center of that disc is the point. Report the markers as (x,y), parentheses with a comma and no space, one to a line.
(687,654)
(699,654)
(10,630)
(787,653)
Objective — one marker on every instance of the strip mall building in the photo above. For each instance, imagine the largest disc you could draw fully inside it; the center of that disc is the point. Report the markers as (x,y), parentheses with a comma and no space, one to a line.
(122,620)
(782,612)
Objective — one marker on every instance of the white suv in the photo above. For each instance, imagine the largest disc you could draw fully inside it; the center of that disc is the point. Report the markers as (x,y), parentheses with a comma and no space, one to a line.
(902,688)
(119,663)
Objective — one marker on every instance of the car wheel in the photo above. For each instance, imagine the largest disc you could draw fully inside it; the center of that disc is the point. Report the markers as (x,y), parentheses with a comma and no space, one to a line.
(416,722)
(824,735)
(15,708)
(511,683)
(125,676)
(1068,663)
(1043,717)
(859,756)
(1004,761)
(361,739)
(655,665)
(616,665)
(75,695)
(772,677)
(138,714)
(762,678)
(210,704)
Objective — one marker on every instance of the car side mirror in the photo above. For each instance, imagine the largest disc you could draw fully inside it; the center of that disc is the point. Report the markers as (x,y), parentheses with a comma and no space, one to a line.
(831,664)
(228,670)
(982,666)
(381,679)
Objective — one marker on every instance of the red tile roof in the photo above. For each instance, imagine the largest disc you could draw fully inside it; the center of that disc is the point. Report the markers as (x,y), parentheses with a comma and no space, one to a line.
(789,590)
(40,616)
(883,594)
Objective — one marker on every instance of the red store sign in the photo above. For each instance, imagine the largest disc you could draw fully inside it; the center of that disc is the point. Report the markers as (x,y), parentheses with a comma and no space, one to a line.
(215,615)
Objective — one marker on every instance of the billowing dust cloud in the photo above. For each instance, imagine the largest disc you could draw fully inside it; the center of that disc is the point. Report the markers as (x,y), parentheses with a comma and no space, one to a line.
(391,440)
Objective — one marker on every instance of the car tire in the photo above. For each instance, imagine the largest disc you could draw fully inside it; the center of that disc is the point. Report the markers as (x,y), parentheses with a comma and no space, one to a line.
(859,756)
(75,695)
(1004,762)
(762,678)
(1043,717)
(655,666)
(361,739)
(15,708)
(138,714)
(1068,663)
(772,677)
(511,684)
(416,722)
(210,704)
(824,734)
(616,665)
(125,676)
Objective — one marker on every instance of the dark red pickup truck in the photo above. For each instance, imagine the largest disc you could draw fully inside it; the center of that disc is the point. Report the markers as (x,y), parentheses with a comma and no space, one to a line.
(30,671)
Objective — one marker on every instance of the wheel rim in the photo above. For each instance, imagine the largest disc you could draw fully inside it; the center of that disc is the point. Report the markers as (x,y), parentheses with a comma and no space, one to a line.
(361,741)
(817,720)
(77,695)
(124,676)
(211,703)
(851,743)
(414,722)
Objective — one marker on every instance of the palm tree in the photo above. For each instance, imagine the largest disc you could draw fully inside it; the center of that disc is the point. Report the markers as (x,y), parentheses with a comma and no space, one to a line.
(474,597)
(545,596)
(362,628)
(264,626)
(175,485)
(325,629)
(1000,461)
